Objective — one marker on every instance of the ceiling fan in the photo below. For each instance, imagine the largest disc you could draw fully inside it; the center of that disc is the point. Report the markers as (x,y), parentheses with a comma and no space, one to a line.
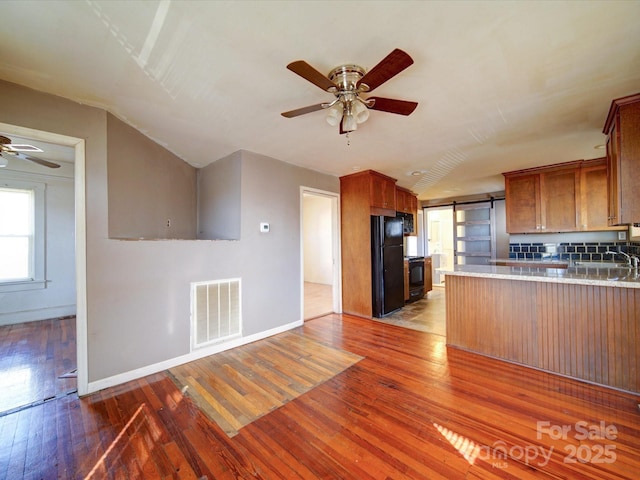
(15,150)
(347,83)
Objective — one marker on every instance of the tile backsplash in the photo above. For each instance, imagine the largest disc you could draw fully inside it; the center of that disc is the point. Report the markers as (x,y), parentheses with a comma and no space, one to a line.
(582,251)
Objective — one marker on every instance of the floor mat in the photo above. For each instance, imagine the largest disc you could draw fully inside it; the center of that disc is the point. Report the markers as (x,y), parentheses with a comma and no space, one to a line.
(240,385)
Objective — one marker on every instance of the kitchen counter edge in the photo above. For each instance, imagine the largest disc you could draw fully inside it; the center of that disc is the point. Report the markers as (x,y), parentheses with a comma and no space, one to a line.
(578,276)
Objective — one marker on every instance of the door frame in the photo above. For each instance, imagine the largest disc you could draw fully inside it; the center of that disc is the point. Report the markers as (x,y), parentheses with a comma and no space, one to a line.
(335,246)
(79,180)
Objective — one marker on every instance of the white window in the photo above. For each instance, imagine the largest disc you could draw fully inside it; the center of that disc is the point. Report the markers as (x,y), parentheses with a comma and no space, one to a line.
(21,235)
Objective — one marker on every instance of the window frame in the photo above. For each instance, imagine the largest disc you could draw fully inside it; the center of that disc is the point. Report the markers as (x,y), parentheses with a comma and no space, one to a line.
(37,247)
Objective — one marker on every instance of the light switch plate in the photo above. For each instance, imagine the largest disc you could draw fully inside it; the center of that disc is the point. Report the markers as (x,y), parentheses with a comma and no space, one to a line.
(264,227)
(622,235)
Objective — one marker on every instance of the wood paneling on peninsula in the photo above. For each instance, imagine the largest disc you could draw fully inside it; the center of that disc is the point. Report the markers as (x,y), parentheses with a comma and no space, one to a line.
(589,332)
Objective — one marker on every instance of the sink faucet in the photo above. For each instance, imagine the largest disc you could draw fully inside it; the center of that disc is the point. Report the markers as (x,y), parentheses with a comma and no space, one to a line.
(632,260)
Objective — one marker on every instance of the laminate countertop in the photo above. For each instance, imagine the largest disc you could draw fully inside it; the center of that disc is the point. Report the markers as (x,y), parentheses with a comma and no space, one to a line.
(607,277)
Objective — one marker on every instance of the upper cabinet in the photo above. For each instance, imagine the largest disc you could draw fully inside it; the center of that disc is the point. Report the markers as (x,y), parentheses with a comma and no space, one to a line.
(622,128)
(566,197)
(545,199)
(407,202)
(382,193)
(593,195)
(522,194)
(560,199)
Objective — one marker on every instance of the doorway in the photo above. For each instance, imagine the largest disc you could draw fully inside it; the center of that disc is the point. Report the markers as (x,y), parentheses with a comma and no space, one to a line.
(79,216)
(320,239)
(439,235)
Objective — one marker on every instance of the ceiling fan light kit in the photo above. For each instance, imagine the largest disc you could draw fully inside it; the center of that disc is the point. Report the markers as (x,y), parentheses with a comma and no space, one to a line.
(347,83)
(15,150)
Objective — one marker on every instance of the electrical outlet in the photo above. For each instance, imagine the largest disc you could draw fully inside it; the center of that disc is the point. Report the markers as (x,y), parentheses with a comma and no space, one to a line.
(622,235)
(169,223)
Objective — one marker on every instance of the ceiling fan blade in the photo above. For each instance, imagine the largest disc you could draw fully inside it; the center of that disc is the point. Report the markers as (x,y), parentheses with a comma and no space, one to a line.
(302,111)
(388,68)
(401,107)
(37,160)
(309,73)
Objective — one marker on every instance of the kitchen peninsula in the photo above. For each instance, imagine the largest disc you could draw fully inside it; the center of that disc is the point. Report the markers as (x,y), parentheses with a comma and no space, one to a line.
(578,322)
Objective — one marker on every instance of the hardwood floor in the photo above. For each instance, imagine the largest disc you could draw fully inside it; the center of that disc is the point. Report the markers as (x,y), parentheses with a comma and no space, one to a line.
(236,387)
(37,361)
(412,408)
(318,300)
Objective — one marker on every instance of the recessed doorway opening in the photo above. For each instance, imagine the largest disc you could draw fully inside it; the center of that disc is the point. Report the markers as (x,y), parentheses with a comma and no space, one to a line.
(320,253)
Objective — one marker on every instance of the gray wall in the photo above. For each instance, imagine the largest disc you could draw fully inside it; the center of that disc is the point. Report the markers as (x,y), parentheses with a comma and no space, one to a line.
(219,198)
(152,193)
(272,261)
(138,291)
(59,297)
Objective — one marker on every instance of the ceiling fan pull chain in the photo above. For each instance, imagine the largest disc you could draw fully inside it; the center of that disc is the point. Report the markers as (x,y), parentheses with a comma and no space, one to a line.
(348,139)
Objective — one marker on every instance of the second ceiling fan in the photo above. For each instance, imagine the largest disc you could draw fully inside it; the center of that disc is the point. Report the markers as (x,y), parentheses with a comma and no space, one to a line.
(347,83)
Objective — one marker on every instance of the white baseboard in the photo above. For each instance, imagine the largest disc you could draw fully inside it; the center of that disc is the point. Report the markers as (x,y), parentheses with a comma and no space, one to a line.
(12,318)
(195,355)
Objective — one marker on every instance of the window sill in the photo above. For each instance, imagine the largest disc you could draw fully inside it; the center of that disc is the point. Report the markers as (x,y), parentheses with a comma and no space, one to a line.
(19,286)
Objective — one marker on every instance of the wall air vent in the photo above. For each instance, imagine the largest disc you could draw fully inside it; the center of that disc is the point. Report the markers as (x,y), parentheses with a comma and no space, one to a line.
(215,312)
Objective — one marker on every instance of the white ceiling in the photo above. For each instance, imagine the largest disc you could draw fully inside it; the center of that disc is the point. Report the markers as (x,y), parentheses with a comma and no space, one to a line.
(500,85)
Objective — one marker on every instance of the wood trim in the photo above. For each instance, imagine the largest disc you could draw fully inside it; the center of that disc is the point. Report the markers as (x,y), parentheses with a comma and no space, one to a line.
(545,168)
(613,109)
(581,331)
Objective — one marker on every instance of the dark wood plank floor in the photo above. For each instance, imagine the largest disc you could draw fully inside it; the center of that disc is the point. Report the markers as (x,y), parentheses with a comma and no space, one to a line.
(412,408)
(36,359)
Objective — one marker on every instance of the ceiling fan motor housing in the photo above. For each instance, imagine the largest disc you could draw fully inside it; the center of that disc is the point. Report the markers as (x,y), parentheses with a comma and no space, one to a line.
(346,77)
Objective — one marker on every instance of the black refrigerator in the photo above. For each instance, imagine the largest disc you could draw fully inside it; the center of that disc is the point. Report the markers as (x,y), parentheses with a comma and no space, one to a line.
(387,266)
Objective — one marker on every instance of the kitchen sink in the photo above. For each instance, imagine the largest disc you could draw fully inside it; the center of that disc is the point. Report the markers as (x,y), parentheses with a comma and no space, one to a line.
(601,264)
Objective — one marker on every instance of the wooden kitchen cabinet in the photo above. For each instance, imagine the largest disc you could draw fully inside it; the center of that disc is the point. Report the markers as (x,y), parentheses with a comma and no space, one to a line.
(361,195)
(406,280)
(428,275)
(382,191)
(622,128)
(544,199)
(594,212)
(565,197)
(522,198)
(560,200)
(406,201)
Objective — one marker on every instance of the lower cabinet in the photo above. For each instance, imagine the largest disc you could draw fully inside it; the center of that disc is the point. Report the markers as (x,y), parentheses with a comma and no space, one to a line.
(406,280)
(428,274)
